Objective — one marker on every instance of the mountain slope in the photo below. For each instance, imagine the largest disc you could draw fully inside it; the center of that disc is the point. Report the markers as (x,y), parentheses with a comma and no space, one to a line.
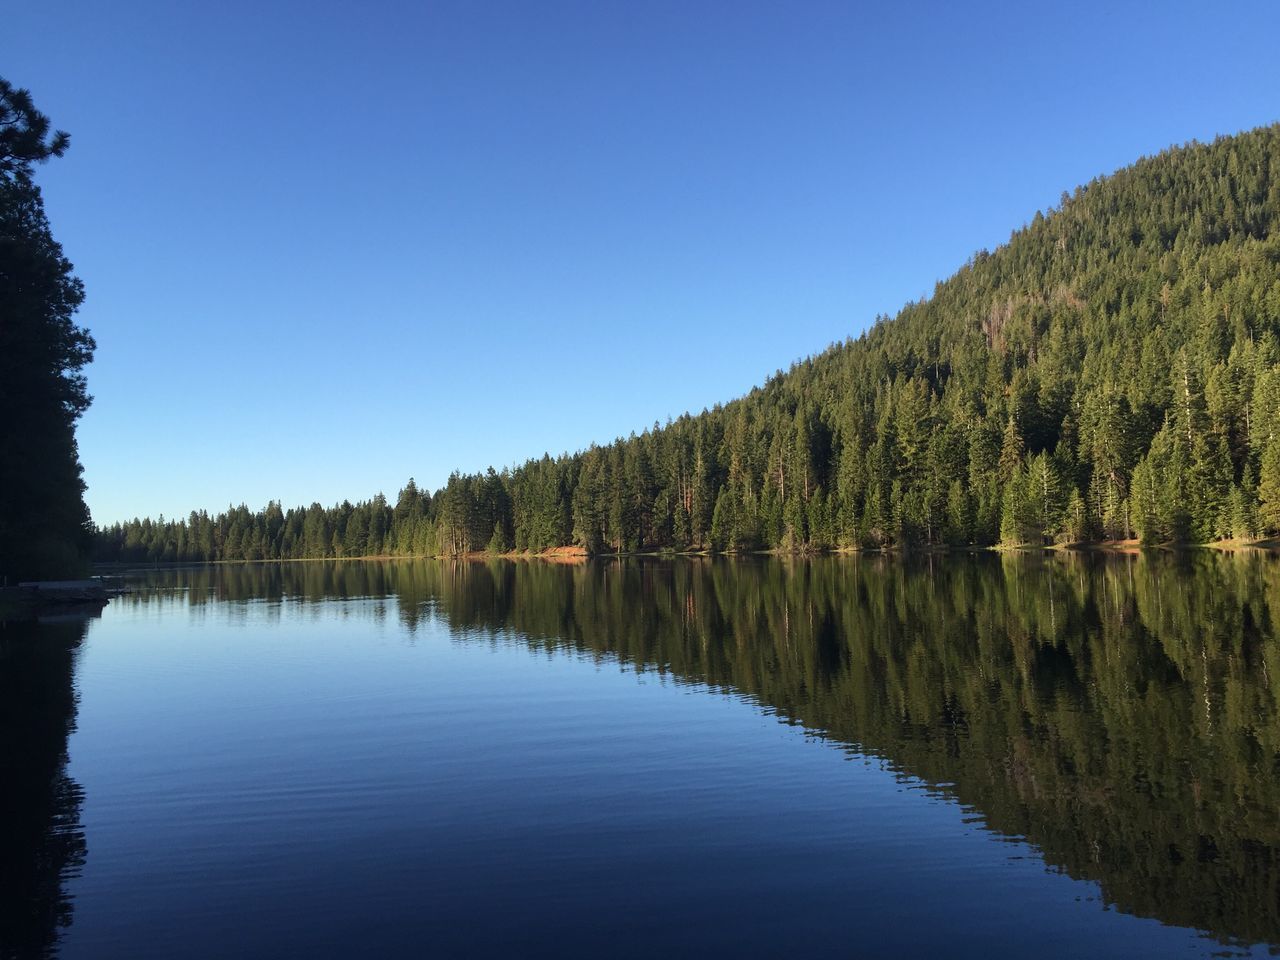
(1112,371)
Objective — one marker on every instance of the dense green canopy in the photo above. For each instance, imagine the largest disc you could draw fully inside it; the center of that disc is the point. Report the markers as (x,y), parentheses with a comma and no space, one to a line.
(1113,371)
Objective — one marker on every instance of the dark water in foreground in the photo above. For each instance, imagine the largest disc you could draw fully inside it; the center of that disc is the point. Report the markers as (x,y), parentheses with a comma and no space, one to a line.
(1057,757)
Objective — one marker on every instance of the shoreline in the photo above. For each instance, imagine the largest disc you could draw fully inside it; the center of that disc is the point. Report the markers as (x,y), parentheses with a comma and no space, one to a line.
(576,555)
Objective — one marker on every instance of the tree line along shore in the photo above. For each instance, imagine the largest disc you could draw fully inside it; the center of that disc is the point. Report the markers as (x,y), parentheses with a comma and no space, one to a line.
(1111,373)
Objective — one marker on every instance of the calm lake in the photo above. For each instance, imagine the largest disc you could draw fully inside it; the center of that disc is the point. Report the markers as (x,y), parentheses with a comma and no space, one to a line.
(1060,756)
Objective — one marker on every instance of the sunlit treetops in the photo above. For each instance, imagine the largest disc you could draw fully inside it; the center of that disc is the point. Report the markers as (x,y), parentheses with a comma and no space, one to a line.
(1113,371)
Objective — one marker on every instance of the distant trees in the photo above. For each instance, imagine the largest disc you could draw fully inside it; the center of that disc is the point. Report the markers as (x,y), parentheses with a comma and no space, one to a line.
(1112,372)
(44,525)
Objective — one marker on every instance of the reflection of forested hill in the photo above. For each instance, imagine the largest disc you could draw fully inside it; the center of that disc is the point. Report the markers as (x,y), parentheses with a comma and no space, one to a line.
(41,841)
(1118,712)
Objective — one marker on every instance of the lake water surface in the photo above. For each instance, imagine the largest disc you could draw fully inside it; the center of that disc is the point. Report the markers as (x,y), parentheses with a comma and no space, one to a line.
(1063,756)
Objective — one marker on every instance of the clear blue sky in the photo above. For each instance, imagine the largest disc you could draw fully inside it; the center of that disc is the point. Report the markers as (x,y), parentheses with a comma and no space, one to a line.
(328,246)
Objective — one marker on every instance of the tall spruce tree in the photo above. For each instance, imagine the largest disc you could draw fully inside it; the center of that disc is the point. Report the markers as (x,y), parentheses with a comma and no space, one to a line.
(44,523)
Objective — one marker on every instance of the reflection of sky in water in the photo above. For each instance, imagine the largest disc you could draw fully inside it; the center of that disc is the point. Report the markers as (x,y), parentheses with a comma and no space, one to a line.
(319,778)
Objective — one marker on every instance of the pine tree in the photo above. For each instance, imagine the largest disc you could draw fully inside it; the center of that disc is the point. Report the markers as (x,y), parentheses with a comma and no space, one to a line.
(1046,494)
(1075,519)
(44,523)
(1269,488)
(1011,449)
(1020,517)
(959,515)
(498,541)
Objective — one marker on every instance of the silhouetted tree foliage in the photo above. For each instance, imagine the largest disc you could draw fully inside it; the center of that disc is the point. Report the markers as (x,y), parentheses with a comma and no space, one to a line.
(44,524)
(1112,371)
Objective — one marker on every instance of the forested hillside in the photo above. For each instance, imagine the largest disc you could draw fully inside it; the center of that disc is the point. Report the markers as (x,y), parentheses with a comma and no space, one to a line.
(1113,371)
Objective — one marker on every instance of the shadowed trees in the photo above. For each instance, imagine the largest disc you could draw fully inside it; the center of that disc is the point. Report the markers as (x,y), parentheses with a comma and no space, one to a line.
(44,523)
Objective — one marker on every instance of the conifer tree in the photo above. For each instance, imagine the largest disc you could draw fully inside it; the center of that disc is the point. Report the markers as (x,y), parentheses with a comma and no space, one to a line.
(1269,488)
(44,523)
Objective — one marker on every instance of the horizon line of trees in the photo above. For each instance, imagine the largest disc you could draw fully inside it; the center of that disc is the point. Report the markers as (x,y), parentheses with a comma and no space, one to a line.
(1111,372)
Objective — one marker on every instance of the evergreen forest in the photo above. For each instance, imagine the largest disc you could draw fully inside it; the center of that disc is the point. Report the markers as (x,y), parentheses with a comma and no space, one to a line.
(1112,372)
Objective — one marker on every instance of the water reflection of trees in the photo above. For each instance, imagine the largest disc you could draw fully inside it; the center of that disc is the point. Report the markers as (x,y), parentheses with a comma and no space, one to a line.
(42,843)
(1118,712)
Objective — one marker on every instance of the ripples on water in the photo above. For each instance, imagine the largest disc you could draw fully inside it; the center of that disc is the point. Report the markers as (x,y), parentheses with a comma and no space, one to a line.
(1059,756)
